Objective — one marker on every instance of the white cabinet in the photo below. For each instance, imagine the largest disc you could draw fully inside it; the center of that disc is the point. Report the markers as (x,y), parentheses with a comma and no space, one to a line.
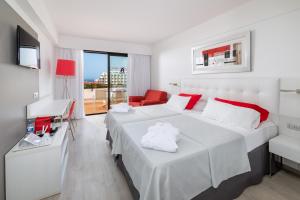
(37,173)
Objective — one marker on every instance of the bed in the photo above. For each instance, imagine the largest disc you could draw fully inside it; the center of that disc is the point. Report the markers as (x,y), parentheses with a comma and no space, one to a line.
(114,120)
(194,171)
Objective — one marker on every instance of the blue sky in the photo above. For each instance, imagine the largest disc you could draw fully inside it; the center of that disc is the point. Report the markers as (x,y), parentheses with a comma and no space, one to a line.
(95,64)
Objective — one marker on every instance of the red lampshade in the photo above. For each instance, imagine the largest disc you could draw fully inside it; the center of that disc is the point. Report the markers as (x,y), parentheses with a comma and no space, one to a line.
(65,67)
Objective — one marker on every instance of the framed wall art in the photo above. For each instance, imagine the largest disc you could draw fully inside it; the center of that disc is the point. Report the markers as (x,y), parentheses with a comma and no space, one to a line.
(230,54)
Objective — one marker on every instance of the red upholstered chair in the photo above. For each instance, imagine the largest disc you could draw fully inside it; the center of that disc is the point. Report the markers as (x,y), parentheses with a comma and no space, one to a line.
(151,97)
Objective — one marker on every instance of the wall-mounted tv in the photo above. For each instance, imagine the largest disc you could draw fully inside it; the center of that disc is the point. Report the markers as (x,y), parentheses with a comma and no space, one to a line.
(28,50)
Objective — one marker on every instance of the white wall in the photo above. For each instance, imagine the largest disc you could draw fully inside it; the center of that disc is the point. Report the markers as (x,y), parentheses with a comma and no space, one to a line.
(275,26)
(47,45)
(102,45)
(48,66)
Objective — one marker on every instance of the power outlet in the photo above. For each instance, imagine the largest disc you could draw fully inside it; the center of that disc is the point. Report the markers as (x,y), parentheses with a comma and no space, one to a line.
(35,95)
(295,127)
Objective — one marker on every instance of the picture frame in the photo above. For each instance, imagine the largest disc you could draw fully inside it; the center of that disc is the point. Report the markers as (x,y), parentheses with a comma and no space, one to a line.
(227,55)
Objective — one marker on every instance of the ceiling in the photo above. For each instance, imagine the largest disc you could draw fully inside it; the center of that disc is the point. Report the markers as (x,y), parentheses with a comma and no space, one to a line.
(138,21)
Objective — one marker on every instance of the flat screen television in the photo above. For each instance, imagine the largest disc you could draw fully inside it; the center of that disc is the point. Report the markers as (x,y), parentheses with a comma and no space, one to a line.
(28,50)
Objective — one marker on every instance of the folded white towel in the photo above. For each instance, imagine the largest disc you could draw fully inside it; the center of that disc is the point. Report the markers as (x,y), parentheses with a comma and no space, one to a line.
(121,107)
(162,137)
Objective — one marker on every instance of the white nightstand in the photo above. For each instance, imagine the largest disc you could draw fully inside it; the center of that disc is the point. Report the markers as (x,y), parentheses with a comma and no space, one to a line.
(286,146)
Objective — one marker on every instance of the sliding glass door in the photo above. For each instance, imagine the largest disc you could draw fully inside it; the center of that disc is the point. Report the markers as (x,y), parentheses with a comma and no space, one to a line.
(105,80)
(118,78)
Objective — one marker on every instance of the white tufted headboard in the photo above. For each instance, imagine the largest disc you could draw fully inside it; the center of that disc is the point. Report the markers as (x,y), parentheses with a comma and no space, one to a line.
(261,91)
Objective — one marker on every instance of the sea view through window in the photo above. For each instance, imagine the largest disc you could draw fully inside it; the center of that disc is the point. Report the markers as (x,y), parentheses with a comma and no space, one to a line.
(99,89)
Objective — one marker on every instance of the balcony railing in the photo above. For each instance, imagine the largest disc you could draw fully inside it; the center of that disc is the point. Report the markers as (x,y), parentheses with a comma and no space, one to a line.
(96,99)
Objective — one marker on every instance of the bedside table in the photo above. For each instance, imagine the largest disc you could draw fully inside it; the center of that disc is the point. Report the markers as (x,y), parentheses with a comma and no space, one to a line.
(286,146)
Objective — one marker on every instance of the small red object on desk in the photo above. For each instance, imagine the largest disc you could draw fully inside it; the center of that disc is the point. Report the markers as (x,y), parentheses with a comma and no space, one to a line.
(41,122)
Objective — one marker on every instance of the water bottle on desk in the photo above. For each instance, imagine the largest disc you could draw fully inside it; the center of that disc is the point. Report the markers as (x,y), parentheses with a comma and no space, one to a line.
(30,126)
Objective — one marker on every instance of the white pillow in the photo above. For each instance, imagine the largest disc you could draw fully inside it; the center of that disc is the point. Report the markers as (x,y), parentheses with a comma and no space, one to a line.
(200,105)
(246,118)
(178,102)
(215,110)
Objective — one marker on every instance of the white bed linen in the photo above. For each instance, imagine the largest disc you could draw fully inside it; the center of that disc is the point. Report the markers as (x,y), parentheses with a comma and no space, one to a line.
(121,108)
(114,120)
(254,138)
(202,159)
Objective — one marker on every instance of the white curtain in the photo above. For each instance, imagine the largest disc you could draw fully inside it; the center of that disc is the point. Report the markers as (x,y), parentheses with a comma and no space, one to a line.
(75,84)
(138,81)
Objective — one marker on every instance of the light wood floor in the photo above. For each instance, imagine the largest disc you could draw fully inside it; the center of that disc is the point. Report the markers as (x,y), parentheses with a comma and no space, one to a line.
(92,174)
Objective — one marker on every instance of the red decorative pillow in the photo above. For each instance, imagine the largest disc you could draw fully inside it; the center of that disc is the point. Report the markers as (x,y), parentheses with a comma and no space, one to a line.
(194,99)
(263,112)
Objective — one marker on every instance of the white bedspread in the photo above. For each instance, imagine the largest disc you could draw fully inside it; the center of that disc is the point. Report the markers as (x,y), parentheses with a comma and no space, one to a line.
(206,156)
(114,120)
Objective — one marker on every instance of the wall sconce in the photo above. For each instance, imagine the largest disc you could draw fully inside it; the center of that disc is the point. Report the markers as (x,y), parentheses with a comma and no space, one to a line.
(175,84)
(174,88)
(289,102)
(297,91)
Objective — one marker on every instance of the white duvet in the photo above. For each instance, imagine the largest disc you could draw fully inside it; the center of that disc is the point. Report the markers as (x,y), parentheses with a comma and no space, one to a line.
(115,120)
(206,156)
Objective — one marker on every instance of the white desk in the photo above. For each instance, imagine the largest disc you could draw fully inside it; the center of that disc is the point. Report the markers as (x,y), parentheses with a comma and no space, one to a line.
(37,173)
(48,108)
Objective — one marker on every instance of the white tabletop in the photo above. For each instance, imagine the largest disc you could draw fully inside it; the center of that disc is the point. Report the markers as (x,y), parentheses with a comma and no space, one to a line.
(48,108)
(57,139)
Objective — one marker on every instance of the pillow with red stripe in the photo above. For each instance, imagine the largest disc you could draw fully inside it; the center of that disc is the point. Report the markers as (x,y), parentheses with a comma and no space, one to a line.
(264,114)
(194,99)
